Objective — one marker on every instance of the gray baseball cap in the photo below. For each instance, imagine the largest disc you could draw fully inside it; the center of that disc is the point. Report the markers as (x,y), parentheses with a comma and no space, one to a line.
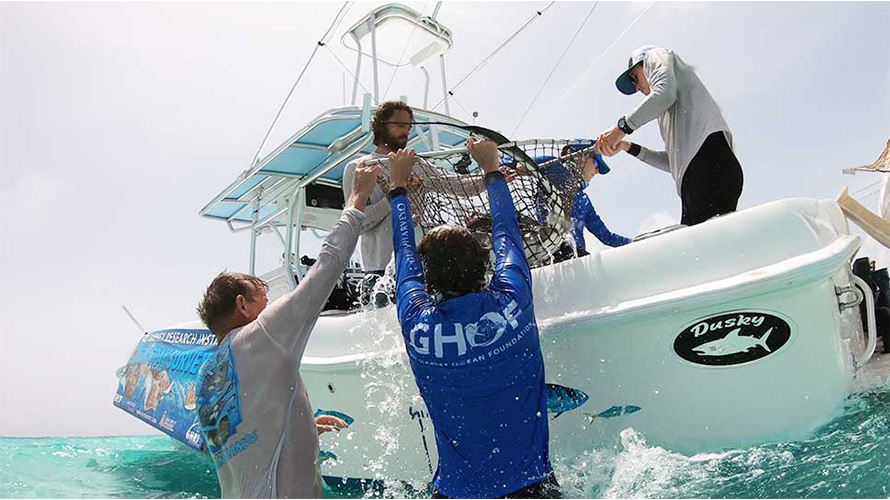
(624,83)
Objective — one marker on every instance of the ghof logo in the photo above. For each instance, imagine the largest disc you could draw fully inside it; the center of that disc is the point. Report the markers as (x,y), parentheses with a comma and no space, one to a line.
(483,333)
(732,338)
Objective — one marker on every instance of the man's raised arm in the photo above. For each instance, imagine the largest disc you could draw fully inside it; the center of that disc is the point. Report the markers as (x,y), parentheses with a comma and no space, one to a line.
(290,319)
(411,294)
(512,274)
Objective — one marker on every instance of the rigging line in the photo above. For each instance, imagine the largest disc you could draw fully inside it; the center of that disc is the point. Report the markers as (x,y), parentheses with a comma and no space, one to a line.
(488,58)
(572,87)
(866,196)
(873,184)
(552,71)
(342,17)
(347,70)
(405,49)
(461,106)
(321,43)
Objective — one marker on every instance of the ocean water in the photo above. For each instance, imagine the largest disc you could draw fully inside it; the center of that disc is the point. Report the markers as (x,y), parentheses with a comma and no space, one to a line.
(847,458)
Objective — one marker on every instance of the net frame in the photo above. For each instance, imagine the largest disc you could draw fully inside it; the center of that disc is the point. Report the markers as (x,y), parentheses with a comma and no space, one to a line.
(453,191)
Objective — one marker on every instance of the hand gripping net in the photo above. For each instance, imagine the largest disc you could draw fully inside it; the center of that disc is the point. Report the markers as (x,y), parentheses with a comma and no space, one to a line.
(453,192)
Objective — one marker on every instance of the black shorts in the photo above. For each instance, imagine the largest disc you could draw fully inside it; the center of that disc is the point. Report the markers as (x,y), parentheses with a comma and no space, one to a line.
(548,488)
(712,183)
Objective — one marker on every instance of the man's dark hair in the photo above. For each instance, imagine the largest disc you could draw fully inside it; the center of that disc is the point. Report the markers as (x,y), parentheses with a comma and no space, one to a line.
(454,261)
(219,298)
(384,114)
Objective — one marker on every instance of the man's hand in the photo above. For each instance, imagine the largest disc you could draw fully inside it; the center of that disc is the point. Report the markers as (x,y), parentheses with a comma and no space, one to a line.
(509,173)
(362,184)
(414,183)
(623,145)
(608,142)
(327,423)
(485,153)
(401,166)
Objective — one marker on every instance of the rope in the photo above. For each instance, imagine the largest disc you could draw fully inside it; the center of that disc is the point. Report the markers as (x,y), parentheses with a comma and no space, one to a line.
(461,106)
(561,57)
(490,56)
(572,87)
(405,49)
(321,43)
(873,184)
(867,196)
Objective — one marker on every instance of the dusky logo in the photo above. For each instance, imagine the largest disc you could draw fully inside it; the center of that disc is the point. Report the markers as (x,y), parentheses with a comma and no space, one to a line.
(732,338)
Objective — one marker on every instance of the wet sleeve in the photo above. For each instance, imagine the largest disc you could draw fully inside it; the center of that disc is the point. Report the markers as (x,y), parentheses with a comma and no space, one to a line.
(290,319)
(374,212)
(659,68)
(595,224)
(512,274)
(411,294)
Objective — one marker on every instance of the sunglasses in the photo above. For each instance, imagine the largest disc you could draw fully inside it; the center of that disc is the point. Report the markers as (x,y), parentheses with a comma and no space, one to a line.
(632,78)
(408,124)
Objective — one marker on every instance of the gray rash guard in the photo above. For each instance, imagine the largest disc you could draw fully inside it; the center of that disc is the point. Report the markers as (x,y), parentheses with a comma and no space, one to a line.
(686,113)
(377,232)
(256,416)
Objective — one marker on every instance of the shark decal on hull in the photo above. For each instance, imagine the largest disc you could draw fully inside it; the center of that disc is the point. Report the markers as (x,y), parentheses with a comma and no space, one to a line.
(733,343)
(733,338)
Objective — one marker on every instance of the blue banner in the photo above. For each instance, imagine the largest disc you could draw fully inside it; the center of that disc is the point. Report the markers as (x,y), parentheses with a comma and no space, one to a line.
(159,383)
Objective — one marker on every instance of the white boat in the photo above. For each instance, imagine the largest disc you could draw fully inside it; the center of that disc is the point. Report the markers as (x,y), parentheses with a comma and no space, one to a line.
(741,330)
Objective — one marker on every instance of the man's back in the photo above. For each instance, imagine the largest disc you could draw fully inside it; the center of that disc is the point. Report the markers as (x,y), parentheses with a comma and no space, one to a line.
(252,404)
(478,364)
(477,361)
(269,422)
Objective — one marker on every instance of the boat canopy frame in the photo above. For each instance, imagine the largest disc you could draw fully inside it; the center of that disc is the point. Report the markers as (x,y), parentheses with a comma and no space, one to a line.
(273,192)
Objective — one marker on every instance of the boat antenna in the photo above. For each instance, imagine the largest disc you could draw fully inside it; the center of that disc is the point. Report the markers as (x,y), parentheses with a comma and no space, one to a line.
(321,43)
(488,58)
(629,26)
(558,62)
(135,321)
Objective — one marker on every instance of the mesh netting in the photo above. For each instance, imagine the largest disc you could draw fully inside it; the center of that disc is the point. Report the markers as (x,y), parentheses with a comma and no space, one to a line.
(453,191)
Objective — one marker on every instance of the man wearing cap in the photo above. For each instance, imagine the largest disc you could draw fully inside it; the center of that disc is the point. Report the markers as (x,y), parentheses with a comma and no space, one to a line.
(698,144)
(583,214)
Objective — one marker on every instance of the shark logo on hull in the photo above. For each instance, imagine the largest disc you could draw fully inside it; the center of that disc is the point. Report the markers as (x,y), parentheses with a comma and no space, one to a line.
(733,343)
(733,338)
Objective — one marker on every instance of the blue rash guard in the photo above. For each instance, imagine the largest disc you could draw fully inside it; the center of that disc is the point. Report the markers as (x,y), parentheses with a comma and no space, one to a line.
(583,213)
(477,361)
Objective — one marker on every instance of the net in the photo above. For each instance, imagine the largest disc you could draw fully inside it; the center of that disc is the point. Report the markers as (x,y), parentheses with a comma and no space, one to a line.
(548,180)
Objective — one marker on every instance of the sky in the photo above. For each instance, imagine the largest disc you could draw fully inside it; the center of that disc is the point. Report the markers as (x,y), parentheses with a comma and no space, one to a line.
(119,121)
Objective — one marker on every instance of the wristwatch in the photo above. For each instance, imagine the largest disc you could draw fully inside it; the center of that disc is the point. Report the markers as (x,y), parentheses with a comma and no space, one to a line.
(624,127)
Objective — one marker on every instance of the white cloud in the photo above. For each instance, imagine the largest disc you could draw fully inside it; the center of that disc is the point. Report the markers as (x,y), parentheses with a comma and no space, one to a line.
(34,191)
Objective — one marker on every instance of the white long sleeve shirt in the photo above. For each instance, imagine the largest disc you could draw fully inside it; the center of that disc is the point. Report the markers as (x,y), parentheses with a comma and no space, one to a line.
(685,110)
(256,415)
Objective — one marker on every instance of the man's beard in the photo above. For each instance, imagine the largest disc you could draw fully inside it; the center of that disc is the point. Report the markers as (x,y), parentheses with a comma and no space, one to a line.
(395,143)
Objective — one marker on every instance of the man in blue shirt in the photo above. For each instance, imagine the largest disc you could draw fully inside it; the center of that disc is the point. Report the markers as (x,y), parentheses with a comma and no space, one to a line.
(474,349)
(584,216)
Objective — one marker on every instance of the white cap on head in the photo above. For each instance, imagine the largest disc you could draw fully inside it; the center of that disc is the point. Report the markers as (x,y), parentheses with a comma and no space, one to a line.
(624,83)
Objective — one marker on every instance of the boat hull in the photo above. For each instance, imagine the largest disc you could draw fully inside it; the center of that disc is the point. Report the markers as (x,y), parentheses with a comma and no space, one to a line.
(725,334)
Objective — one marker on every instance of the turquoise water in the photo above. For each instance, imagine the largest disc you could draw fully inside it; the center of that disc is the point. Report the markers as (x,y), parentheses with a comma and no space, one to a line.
(848,458)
